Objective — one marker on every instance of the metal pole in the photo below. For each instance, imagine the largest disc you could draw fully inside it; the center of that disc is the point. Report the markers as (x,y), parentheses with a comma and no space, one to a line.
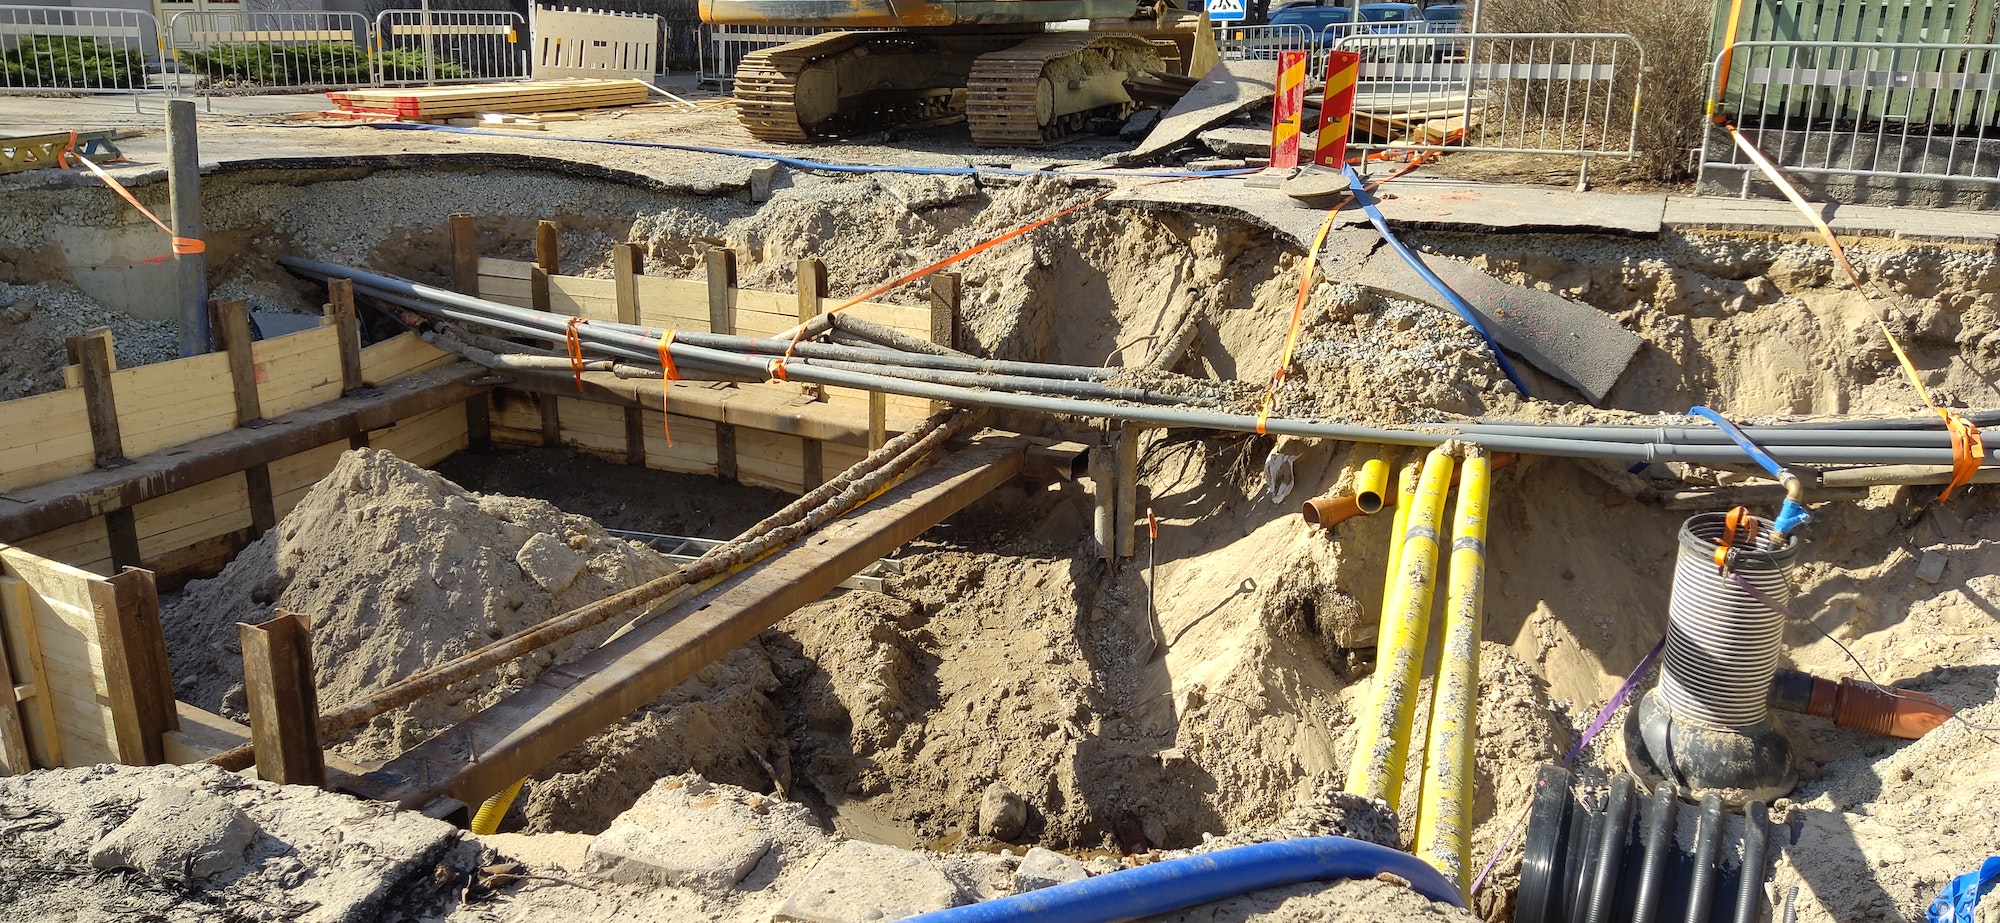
(184,193)
(430,65)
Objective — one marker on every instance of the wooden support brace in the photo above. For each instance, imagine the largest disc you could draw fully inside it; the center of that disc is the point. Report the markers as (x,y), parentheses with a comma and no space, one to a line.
(812,290)
(547,238)
(24,647)
(628,263)
(139,687)
(1127,480)
(479,423)
(721,266)
(946,290)
(14,756)
(229,321)
(283,699)
(340,307)
(538,296)
(878,419)
(91,353)
(464,255)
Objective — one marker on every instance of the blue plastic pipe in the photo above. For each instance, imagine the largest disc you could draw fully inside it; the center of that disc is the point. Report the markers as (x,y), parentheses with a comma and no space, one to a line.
(1457,302)
(821,166)
(1792,514)
(1191,881)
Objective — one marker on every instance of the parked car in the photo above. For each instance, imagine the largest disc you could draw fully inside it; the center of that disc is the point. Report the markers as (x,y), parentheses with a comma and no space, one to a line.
(1311,18)
(1444,17)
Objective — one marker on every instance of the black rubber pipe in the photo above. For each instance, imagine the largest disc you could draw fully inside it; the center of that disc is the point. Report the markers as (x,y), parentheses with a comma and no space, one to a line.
(1659,842)
(1611,849)
(1707,844)
(1756,846)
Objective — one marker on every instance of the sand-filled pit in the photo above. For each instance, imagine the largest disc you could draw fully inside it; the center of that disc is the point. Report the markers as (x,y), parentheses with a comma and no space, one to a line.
(1008,687)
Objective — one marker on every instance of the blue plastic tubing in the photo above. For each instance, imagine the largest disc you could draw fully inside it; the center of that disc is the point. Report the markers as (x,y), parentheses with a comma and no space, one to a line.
(1195,880)
(1457,303)
(818,165)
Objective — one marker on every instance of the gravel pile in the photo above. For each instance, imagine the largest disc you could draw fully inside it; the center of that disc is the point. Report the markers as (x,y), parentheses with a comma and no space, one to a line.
(36,320)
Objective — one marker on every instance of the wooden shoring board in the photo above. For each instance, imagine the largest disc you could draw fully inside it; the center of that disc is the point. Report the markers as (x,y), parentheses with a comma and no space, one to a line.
(67,501)
(531,728)
(49,437)
(425,439)
(399,356)
(682,304)
(85,545)
(71,683)
(21,649)
(297,370)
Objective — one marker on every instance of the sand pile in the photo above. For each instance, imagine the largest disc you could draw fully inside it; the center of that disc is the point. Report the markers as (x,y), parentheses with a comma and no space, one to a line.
(399,569)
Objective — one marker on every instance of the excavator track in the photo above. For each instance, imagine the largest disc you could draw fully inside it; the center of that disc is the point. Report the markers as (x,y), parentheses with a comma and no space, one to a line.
(1028,95)
(767,83)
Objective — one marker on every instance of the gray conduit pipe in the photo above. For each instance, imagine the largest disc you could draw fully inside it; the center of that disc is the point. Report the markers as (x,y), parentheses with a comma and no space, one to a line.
(1553,440)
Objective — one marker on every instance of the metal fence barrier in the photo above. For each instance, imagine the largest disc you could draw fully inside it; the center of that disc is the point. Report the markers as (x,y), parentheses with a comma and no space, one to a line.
(427,46)
(1261,43)
(283,50)
(1534,93)
(722,47)
(1902,110)
(76,49)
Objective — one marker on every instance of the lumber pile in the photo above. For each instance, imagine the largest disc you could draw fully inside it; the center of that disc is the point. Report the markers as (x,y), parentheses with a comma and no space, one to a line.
(1429,121)
(470,101)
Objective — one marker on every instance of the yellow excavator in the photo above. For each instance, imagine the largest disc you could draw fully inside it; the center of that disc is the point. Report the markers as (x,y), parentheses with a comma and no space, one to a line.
(1023,73)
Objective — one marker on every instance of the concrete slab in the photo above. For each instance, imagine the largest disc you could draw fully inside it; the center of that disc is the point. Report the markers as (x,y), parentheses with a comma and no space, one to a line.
(1237,141)
(681,833)
(1229,88)
(1583,347)
(867,882)
(1688,213)
(1042,868)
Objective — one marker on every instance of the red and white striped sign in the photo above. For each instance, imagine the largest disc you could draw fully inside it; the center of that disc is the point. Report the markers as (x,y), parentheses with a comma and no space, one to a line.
(1336,113)
(1288,109)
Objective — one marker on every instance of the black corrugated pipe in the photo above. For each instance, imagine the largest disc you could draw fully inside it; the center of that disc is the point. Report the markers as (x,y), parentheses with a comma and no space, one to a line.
(640,345)
(1619,858)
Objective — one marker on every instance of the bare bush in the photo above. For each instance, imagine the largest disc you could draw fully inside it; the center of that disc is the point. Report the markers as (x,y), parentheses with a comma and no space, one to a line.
(1674,34)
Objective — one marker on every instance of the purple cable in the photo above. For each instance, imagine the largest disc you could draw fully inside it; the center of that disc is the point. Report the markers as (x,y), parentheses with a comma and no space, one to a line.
(1589,733)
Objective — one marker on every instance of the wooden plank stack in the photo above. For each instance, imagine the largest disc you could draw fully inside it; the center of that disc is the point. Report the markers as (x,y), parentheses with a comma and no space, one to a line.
(462,101)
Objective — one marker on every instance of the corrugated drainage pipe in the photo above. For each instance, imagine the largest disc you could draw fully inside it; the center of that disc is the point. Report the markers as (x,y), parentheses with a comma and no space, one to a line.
(1191,881)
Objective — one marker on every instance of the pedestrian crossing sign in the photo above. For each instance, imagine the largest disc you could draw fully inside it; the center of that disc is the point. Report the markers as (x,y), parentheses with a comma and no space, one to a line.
(1225,10)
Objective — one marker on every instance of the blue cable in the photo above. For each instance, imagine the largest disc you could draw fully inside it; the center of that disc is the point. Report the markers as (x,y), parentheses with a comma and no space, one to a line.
(1791,515)
(817,165)
(1191,881)
(1458,304)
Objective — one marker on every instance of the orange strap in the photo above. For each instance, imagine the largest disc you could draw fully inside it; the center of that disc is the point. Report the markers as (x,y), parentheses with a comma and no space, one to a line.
(671,375)
(778,367)
(1739,519)
(1723,63)
(1305,294)
(1968,451)
(184,246)
(576,349)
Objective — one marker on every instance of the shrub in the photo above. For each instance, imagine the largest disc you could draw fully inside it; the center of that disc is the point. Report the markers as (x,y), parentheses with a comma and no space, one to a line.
(68,61)
(307,63)
(1674,34)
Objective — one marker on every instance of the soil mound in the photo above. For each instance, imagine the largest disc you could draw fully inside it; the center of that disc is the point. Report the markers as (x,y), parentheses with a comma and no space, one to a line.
(399,569)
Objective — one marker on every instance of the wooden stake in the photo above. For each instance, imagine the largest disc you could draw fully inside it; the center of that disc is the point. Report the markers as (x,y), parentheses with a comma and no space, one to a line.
(1127,480)
(546,255)
(479,423)
(136,677)
(464,255)
(283,699)
(878,419)
(24,643)
(340,293)
(91,352)
(945,293)
(628,263)
(231,323)
(721,266)
(184,200)
(14,756)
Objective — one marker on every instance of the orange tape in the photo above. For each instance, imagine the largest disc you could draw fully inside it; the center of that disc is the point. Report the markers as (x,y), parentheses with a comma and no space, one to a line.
(576,349)
(671,375)
(961,255)
(186,246)
(1968,450)
(1305,295)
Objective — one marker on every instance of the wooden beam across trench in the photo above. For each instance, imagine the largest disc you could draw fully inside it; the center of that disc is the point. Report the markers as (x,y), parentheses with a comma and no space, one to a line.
(30,511)
(570,702)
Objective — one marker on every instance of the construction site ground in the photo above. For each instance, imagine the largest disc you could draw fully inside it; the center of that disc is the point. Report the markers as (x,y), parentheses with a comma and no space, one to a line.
(1206,700)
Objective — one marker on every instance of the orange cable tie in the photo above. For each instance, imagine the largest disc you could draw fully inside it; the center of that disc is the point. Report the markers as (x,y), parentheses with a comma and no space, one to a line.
(576,349)
(669,376)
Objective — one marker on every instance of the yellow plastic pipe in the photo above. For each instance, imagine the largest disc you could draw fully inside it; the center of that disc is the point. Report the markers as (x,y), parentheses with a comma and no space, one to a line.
(487,821)
(1371,483)
(1444,811)
(1382,744)
(1406,489)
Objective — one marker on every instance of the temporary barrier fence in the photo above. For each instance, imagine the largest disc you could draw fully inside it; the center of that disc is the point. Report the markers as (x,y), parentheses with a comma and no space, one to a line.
(1519,92)
(427,46)
(255,52)
(723,46)
(1261,43)
(76,49)
(1894,110)
(595,44)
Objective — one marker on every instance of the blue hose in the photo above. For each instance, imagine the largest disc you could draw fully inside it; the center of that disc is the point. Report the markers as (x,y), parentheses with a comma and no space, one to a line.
(1792,514)
(1195,880)
(817,165)
(1458,304)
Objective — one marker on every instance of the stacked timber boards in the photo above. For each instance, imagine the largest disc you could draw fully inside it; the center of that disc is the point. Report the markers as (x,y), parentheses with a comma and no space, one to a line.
(534,96)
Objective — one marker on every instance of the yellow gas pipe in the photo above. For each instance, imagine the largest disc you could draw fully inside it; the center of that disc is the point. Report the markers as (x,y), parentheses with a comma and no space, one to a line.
(1444,810)
(487,820)
(1382,743)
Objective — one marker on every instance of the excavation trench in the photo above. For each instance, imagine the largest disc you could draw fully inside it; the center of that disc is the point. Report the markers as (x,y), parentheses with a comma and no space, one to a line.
(1209,683)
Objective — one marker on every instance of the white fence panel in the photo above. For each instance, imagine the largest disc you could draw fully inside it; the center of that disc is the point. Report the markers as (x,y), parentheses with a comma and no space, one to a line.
(595,43)
(450,46)
(76,49)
